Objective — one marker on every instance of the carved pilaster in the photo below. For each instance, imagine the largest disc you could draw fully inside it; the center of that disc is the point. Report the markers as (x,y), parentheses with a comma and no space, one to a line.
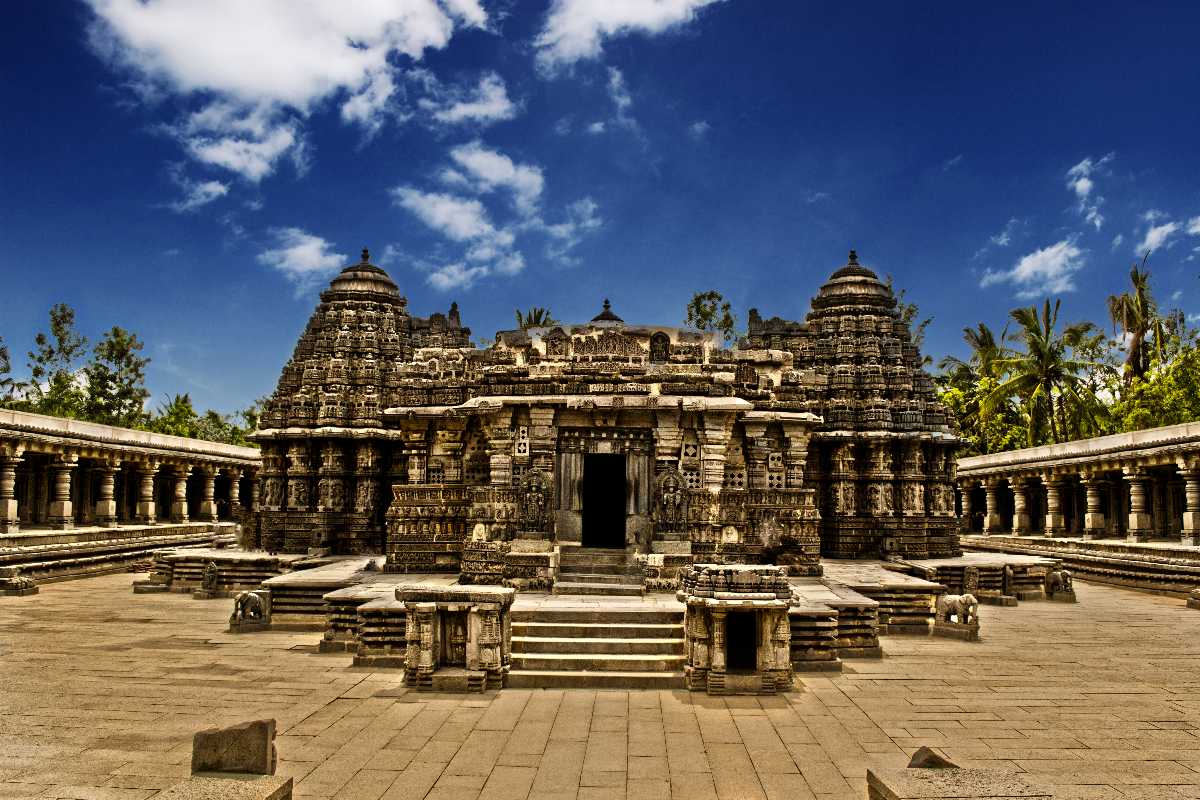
(1022,522)
(1056,521)
(1191,505)
(208,493)
(1094,522)
(993,521)
(235,496)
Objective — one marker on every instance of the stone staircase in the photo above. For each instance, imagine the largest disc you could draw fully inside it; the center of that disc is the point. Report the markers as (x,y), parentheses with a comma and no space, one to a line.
(597,571)
(597,648)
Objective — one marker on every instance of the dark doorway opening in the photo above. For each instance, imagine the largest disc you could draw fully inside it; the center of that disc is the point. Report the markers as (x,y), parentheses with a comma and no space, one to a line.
(604,500)
(741,641)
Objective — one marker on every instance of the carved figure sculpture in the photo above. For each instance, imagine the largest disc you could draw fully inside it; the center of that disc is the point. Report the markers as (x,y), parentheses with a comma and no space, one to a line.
(960,608)
(534,500)
(1058,580)
(670,505)
(208,580)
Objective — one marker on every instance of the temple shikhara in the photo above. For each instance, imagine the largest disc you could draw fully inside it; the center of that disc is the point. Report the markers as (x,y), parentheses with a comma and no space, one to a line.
(391,433)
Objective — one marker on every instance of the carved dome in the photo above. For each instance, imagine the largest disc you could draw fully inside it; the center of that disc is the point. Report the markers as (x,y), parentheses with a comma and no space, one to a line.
(853,286)
(364,278)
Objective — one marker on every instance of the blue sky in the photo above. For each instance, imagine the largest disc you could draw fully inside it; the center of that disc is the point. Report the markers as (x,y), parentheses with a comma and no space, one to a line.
(196,172)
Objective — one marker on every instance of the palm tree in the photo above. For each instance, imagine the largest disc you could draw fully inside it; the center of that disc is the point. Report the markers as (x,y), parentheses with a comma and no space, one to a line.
(974,376)
(1136,314)
(535,317)
(1045,376)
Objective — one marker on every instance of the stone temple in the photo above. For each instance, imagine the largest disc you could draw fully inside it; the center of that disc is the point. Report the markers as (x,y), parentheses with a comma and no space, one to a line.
(391,433)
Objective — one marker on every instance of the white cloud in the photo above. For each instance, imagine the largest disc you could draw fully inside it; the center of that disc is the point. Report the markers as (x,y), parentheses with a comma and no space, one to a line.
(484,104)
(951,163)
(458,218)
(1116,241)
(596,128)
(1047,271)
(199,194)
(1193,226)
(302,257)
(582,218)
(490,169)
(1157,236)
(816,197)
(1176,295)
(1081,183)
(455,276)
(575,30)
(262,67)
(699,129)
(1004,237)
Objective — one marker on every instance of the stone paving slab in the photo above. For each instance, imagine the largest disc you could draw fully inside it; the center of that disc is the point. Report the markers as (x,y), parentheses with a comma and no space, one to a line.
(871,574)
(103,689)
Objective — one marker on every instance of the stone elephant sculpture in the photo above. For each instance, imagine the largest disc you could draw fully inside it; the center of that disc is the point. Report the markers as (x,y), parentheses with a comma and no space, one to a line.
(964,609)
(248,607)
(1058,580)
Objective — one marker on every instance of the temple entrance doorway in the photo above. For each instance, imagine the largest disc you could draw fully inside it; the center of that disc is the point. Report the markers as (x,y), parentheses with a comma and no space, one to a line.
(604,500)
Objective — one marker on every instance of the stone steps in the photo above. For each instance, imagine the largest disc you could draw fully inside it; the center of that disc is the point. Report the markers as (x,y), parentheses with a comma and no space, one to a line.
(600,568)
(592,630)
(592,662)
(598,577)
(601,589)
(583,679)
(638,647)
(600,645)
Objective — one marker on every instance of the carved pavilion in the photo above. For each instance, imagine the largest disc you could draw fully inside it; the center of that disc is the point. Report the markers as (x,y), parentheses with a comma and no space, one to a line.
(390,432)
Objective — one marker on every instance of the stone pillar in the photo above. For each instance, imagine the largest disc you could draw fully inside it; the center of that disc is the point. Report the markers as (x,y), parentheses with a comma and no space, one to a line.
(10,457)
(1056,522)
(62,511)
(1022,524)
(146,512)
(106,504)
(179,506)
(255,488)
(1094,523)
(235,493)
(208,502)
(1191,508)
(993,522)
(965,489)
(717,654)
(1141,526)
(795,458)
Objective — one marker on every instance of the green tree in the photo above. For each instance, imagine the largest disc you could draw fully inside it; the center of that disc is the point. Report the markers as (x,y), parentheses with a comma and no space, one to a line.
(54,386)
(6,381)
(176,417)
(1135,313)
(965,385)
(1169,395)
(710,311)
(535,317)
(1046,375)
(116,380)
(910,315)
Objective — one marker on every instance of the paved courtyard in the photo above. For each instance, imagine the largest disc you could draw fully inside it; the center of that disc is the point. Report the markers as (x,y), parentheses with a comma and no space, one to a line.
(100,691)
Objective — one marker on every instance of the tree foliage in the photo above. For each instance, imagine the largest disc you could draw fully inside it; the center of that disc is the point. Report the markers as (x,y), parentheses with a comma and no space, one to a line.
(116,380)
(535,317)
(1044,384)
(109,387)
(710,311)
(55,386)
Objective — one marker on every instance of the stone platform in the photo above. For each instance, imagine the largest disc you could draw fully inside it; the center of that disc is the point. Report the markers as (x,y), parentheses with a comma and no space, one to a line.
(183,570)
(50,555)
(1166,567)
(906,603)
(1098,708)
(1026,581)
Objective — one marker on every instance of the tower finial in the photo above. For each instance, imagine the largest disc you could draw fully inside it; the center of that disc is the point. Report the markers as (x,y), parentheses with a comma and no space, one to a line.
(853,257)
(366,255)
(607,305)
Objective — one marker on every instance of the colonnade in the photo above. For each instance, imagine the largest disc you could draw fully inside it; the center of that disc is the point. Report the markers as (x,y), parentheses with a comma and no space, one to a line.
(59,474)
(1139,500)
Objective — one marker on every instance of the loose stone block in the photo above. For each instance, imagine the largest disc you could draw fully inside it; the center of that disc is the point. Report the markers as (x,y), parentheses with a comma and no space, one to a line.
(229,786)
(944,784)
(246,748)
